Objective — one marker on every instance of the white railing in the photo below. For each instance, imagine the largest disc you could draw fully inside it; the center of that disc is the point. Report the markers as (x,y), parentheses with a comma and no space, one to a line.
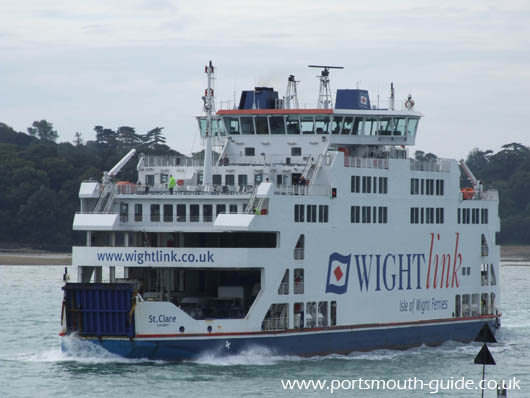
(366,163)
(134,189)
(263,160)
(437,165)
(275,323)
(303,190)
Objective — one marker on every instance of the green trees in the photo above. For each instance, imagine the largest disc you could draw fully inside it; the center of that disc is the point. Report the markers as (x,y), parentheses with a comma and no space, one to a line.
(44,130)
(508,171)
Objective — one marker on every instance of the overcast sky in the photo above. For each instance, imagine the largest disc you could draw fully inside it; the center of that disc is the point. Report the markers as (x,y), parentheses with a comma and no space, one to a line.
(141,63)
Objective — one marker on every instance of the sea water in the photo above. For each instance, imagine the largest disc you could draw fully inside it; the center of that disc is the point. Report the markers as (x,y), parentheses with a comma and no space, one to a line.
(33,365)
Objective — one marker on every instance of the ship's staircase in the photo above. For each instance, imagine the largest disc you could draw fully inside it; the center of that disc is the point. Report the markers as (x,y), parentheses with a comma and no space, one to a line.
(311,171)
(104,203)
(254,203)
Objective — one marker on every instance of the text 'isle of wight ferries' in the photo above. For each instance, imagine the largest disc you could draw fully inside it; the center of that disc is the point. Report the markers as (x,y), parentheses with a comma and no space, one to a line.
(396,271)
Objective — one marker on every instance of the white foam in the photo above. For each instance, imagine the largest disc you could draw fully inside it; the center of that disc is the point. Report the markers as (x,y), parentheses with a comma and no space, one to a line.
(76,350)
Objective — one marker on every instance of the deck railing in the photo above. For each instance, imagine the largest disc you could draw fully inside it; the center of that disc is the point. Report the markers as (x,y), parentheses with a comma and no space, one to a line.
(437,165)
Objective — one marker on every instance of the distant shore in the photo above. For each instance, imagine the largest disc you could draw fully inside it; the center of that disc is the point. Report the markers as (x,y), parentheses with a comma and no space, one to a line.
(520,254)
(33,257)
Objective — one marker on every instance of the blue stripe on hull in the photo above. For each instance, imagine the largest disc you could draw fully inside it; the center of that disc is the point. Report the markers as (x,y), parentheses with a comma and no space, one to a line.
(306,344)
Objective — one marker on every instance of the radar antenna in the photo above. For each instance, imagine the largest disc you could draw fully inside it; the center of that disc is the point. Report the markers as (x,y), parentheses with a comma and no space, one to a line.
(291,97)
(324,93)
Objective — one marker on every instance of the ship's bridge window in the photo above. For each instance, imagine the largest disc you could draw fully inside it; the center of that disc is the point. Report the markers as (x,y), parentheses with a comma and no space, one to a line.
(247,125)
(370,125)
(308,124)
(293,124)
(336,124)
(232,124)
(322,124)
(277,124)
(262,126)
(357,126)
(348,123)
(400,125)
(217,127)
(384,126)
(412,125)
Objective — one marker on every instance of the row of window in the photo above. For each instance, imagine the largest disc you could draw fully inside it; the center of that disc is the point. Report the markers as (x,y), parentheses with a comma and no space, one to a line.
(305,315)
(308,213)
(184,213)
(426,186)
(474,304)
(369,214)
(308,124)
(426,215)
(368,184)
(472,216)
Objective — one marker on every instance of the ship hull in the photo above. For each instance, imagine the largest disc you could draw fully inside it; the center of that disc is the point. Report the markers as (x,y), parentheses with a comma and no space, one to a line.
(306,343)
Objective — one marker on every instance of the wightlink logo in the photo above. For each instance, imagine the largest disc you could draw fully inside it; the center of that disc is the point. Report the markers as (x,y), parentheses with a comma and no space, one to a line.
(397,271)
(155,256)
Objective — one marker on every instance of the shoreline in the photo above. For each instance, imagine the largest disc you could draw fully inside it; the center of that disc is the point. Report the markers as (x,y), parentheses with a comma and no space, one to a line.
(516,255)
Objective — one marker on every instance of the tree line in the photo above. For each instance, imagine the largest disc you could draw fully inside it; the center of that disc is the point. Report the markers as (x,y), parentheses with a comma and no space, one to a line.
(40,179)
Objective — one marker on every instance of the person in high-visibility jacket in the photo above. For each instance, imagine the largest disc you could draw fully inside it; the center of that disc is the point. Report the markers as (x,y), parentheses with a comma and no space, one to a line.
(171,185)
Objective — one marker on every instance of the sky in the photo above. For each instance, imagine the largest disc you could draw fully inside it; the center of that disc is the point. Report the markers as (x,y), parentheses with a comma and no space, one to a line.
(140,63)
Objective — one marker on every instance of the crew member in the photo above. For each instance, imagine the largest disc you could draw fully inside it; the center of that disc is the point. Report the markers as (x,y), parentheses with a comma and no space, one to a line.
(172,184)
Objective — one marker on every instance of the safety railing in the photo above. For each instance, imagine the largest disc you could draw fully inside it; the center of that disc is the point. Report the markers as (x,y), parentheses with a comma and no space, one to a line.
(275,323)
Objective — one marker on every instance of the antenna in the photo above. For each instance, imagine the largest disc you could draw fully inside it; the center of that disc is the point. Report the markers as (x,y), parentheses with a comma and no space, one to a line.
(324,92)
(209,107)
(391,104)
(291,94)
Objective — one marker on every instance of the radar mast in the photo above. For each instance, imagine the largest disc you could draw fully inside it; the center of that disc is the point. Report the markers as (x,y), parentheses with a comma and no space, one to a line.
(324,93)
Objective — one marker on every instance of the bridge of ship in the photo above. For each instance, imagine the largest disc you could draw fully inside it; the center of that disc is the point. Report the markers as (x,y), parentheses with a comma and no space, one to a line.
(372,123)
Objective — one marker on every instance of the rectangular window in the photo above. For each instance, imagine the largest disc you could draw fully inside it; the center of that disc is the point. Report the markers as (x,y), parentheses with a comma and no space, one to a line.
(429,215)
(296,151)
(229,179)
(299,213)
(458,215)
(429,187)
(422,186)
(383,215)
(475,217)
(242,179)
(383,185)
(414,186)
(356,184)
(155,213)
(250,152)
(163,178)
(217,179)
(168,213)
(439,187)
(233,209)
(194,213)
(124,212)
(366,213)
(374,214)
(439,215)
(374,185)
(367,184)
(277,124)
(311,213)
(138,212)
(220,209)
(323,213)
(356,214)
(207,213)
(422,218)
(181,213)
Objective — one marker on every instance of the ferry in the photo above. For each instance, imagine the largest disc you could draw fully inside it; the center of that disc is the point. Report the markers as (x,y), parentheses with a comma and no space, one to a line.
(307,231)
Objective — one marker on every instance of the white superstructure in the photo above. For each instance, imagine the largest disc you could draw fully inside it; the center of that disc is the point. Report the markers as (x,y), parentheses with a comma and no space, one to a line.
(308,224)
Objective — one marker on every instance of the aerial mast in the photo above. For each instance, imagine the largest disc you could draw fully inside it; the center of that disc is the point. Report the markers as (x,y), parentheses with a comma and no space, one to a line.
(209,108)
(324,93)
(291,97)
